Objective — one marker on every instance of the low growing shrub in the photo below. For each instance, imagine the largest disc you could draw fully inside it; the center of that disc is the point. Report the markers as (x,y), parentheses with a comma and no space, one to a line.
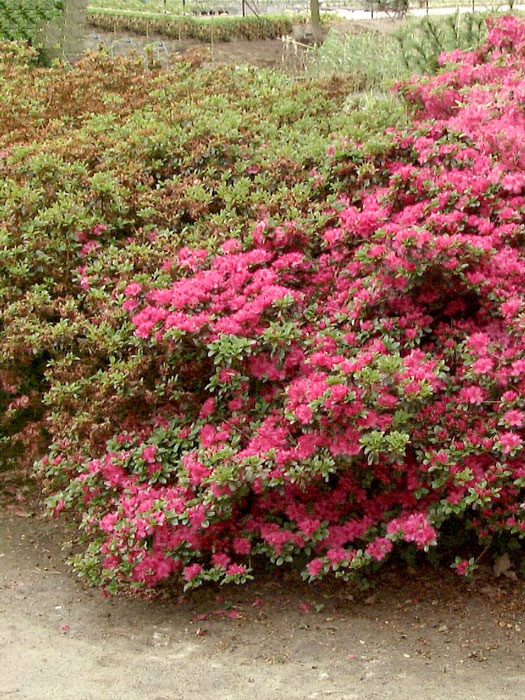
(115,147)
(320,391)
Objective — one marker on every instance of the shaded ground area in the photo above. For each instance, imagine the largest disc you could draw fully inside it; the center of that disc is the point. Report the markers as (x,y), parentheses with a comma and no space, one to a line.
(424,636)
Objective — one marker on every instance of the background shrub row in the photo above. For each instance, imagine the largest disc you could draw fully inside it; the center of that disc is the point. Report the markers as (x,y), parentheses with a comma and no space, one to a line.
(201,29)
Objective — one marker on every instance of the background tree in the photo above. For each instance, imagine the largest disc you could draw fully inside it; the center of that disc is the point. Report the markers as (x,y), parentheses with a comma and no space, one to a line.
(316,21)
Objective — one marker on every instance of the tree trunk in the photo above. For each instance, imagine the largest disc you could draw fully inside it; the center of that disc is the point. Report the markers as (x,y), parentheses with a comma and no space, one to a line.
(316,21)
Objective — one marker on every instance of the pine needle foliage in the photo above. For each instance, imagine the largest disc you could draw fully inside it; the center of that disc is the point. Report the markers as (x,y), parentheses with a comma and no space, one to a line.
(423,41)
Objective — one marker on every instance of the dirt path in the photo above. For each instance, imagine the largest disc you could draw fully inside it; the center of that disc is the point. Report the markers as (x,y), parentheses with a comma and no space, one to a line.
(425,637)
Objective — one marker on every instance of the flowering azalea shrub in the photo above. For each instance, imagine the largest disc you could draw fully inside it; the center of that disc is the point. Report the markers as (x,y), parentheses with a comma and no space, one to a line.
(319,394)
(105,150)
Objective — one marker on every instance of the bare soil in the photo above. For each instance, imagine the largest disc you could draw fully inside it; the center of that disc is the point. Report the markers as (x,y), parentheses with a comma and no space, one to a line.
(267,53)
(270,53)
(427,635)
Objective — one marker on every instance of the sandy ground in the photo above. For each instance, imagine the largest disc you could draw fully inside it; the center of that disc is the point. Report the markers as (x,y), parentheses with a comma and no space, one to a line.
(427,636)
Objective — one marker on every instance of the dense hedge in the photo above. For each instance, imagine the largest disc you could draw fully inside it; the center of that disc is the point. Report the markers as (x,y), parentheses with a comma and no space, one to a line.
(21,19)
(203,29)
